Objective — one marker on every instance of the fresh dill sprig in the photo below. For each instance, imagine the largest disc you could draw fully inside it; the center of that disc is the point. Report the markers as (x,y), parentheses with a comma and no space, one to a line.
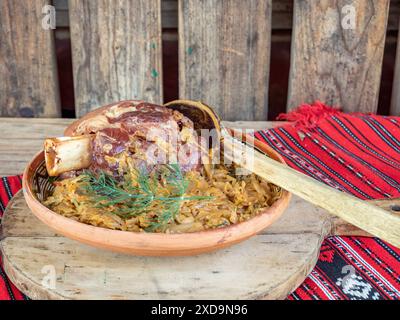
(166,187)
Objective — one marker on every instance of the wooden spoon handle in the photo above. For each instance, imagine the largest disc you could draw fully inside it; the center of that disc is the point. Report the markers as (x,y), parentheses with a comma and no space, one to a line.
(371,218)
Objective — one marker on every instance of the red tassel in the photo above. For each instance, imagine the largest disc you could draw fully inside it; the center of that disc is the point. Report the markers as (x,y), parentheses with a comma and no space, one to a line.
(308,116)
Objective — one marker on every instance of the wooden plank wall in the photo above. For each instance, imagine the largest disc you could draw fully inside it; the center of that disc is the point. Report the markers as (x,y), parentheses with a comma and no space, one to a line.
(282,13)
(224,51)
(336,65)
(116,51)
(28,70)
(395,105)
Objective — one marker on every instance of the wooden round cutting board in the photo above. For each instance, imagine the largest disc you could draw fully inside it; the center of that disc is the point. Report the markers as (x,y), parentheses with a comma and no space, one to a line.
(270,265)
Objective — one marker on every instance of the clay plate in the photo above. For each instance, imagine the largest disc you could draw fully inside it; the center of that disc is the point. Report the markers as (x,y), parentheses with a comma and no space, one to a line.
(37,186)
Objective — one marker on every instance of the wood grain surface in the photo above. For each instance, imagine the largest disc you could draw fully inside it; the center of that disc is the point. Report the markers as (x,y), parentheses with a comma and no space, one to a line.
(395,102)
(23,138)
(224,51)
(116,51)
(28,70)
(339,66)
(267,266)
(282,14)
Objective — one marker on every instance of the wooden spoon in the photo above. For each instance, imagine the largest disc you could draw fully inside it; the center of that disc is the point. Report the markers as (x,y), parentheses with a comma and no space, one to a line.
(381,220)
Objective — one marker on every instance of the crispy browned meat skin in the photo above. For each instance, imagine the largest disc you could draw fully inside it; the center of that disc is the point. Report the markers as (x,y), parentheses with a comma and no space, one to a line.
(144,113)
(149,134)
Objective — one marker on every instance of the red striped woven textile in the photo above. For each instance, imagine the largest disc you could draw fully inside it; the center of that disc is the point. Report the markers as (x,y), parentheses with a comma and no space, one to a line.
(8,187)
(358,154)
(354,153)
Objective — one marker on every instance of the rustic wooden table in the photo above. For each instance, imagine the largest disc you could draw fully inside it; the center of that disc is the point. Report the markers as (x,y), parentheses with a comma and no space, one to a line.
(21,138)
(277,260)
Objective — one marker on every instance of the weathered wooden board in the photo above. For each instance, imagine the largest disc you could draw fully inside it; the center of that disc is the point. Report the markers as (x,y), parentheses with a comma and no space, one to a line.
(333,60)
(395,103)
(224,51)
(23,139)
(28,70)
(282,12)
(267,266)
(116,51)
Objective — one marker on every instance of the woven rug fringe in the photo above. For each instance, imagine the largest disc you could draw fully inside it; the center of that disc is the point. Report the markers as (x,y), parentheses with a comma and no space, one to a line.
(308,116)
